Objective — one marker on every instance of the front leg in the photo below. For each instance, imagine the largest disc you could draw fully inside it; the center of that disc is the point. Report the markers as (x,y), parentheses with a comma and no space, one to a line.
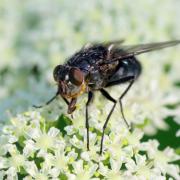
(65,100)
(48,102)
(90,96)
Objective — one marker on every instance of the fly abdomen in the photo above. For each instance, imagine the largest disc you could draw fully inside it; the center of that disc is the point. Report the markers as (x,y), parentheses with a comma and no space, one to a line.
(132,67)
(127,68)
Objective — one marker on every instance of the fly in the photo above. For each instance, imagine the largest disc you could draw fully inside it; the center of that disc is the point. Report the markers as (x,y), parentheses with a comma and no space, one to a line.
(96,67)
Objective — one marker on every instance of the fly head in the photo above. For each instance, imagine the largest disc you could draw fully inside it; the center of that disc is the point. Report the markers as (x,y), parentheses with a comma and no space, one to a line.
(70,81)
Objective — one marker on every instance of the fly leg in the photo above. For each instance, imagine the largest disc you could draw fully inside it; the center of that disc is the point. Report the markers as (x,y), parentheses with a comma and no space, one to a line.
(48,102)
(90,96)
(121,105)
(65,100)
(129,79)
(106,95)
(51,100)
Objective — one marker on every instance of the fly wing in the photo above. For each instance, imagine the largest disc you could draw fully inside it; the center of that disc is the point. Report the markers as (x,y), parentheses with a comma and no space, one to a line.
(132,50)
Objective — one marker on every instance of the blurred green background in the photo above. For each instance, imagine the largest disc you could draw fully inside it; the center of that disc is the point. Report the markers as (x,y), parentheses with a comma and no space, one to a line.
(36,35)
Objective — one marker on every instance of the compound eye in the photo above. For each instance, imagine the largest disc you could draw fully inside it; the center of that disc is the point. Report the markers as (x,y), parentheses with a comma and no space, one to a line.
(56,72)
(76,76)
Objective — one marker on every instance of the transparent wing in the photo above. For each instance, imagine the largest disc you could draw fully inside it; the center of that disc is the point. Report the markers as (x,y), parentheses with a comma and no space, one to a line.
(132,50)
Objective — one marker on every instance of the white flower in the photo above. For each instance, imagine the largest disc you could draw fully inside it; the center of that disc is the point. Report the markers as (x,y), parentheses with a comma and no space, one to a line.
(70,130)
(4,139)
(101,24)
(61,161)
(114,172)
(33,171)
(12,164)
(140,166)
(43,140)
(84,172)
(29,148)
(45,153)
(12,173)
(162,159)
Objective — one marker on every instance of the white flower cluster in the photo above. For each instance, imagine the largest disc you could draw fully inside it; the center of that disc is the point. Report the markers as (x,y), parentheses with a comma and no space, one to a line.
(36,36)
(33,148)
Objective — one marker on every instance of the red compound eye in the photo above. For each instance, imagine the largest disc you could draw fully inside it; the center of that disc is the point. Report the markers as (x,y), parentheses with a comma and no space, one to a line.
(76,76)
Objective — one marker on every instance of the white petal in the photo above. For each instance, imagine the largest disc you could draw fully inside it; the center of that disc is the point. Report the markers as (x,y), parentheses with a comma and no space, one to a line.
(178,133)
(115,164)
(34,133)
(140,160)
(72,154)
(11,173)
(29,148)
(31,168)
(54,172)
(70,130)
(2,174)
(92,169)
(3,163)
(53,132)
(173,170)
(103,169)
(12,139)
(78,166)
(85,156)
(131,165)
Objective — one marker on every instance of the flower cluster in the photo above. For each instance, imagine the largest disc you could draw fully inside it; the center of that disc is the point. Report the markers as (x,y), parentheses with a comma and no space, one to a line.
(37,36)
(34,148)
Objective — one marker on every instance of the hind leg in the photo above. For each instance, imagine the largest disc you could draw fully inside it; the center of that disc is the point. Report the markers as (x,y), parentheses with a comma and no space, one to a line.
(129,79)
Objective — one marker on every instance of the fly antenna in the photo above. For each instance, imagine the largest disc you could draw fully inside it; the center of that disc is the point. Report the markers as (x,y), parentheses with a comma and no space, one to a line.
(48,102)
